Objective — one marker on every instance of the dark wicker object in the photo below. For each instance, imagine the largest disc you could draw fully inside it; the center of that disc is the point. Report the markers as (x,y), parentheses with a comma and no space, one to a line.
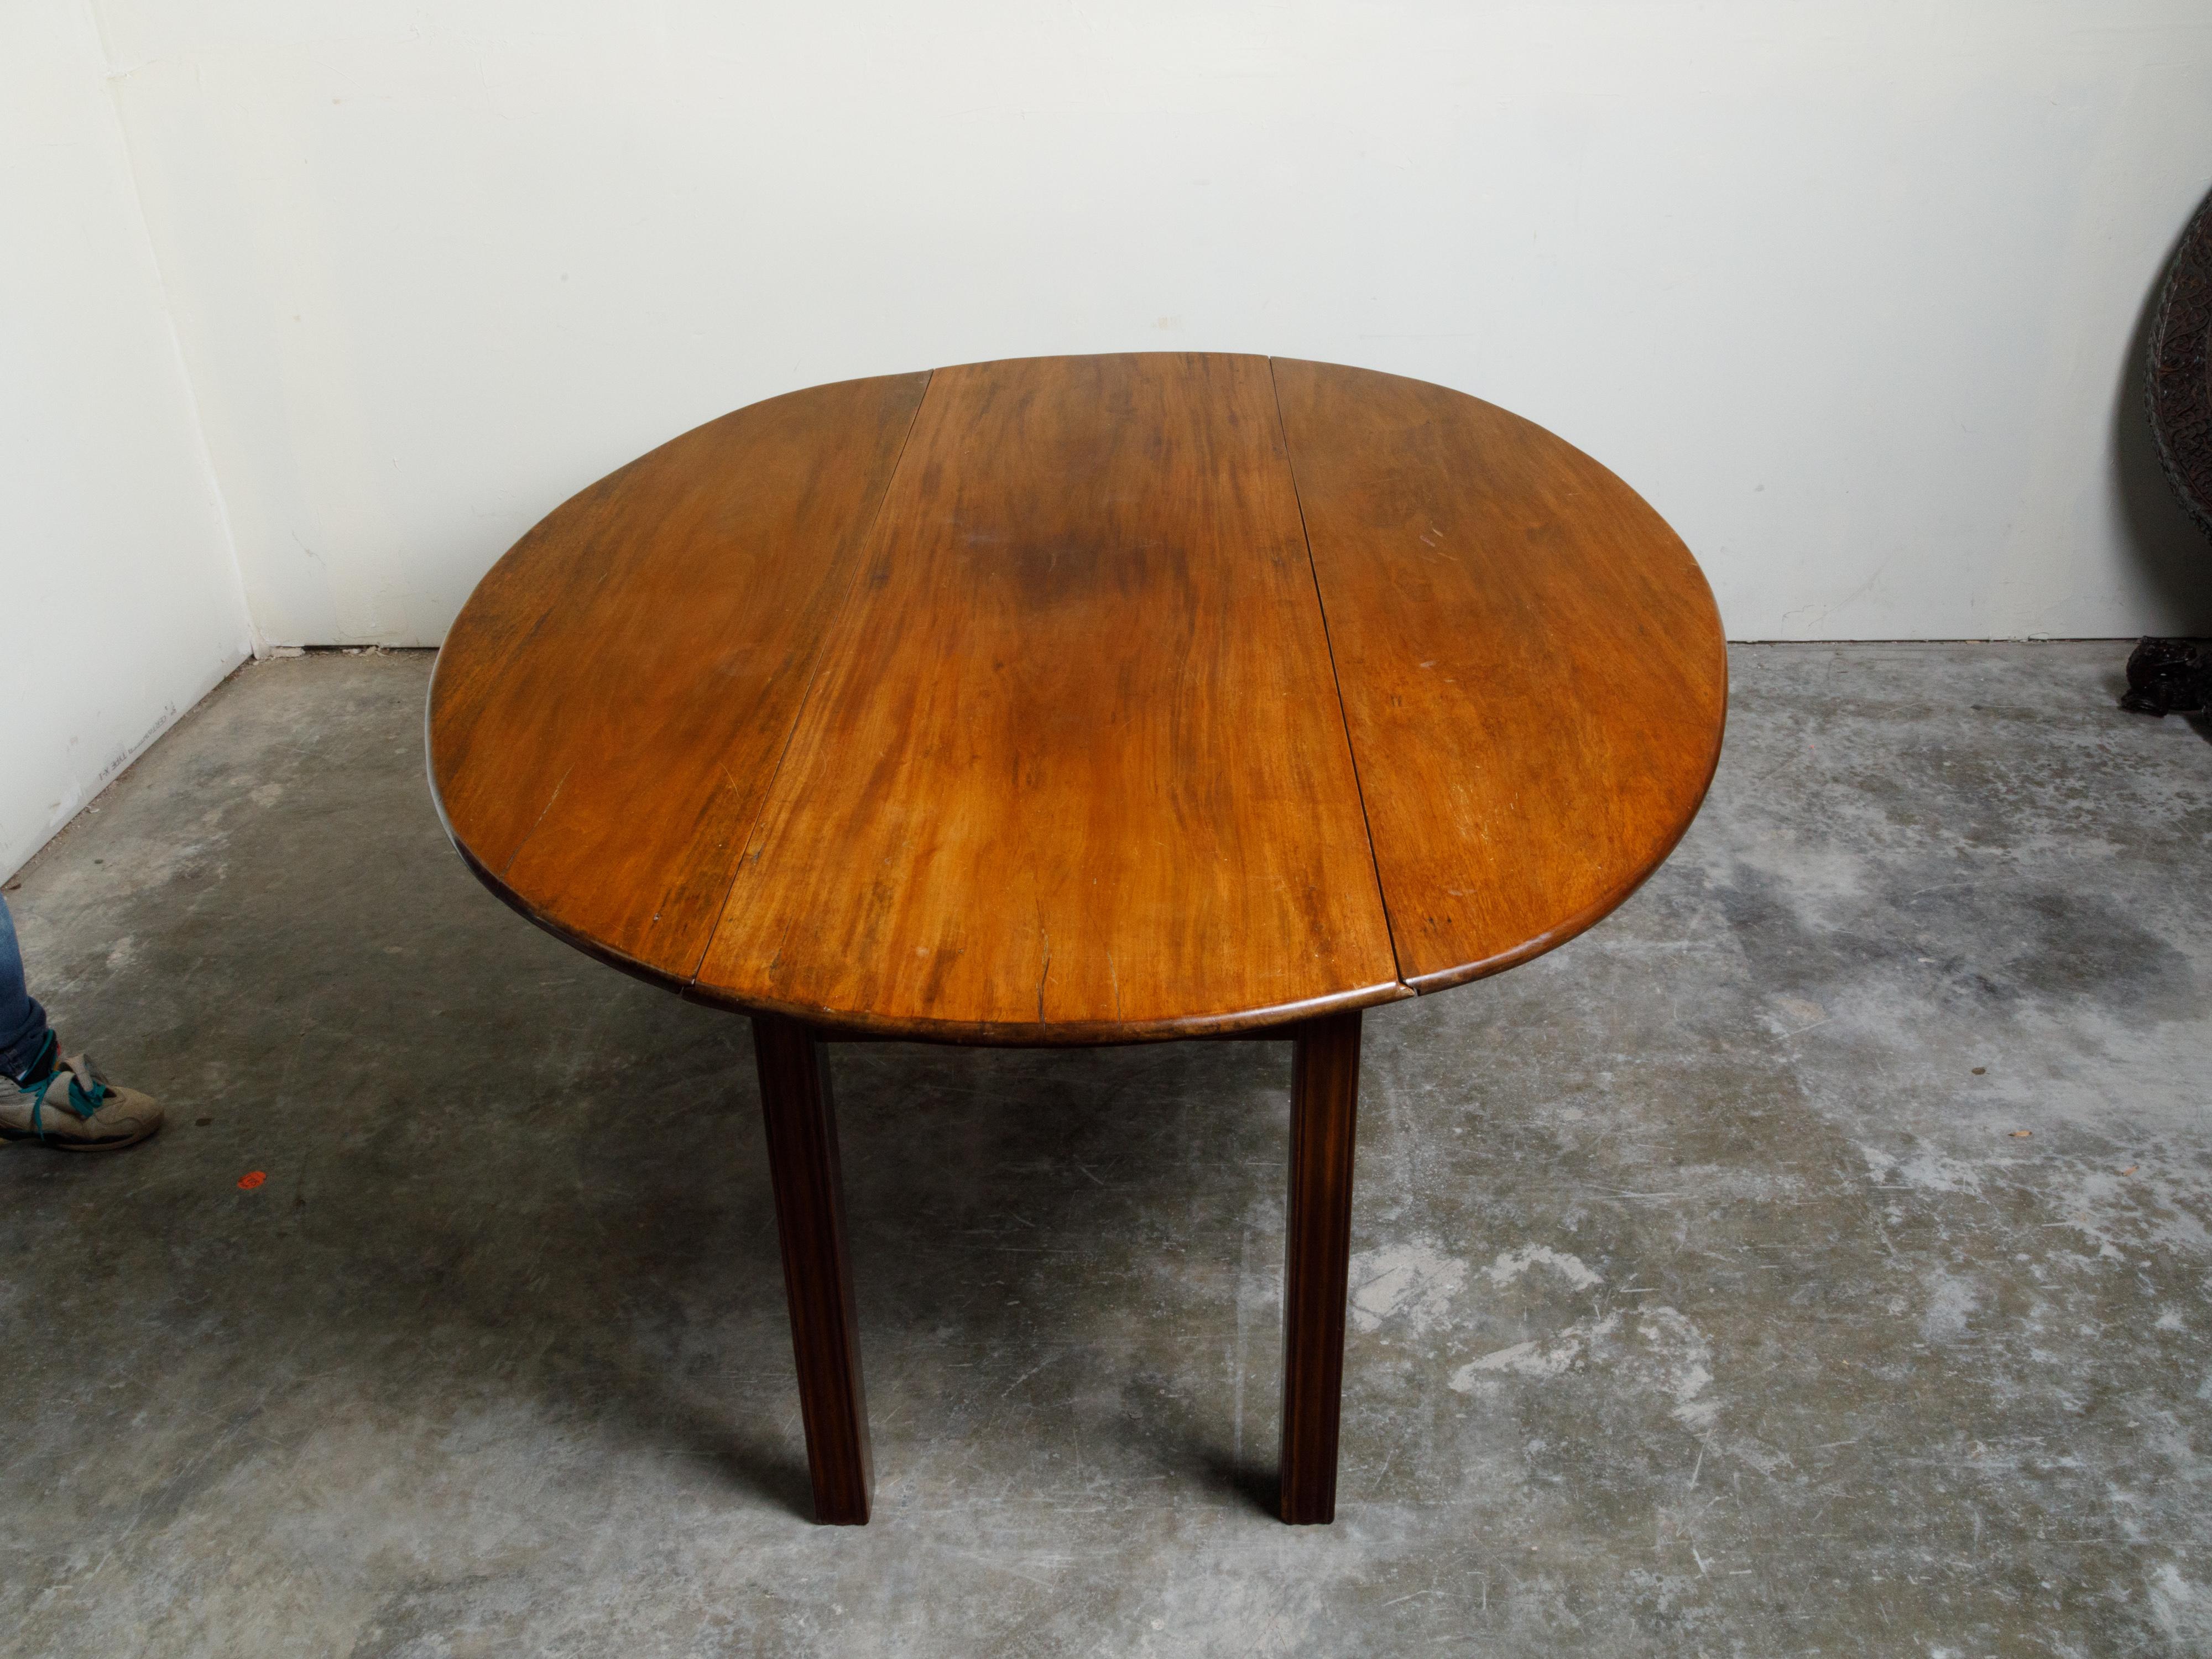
(2180,382)
(2167,677)
(2172,677)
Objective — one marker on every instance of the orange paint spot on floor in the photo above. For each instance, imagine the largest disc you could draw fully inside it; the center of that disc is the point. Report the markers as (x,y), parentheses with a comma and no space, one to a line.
(252,1179)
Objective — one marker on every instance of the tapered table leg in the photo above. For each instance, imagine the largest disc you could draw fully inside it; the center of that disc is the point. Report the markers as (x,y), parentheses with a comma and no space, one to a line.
(1324,1101)
(818,1274)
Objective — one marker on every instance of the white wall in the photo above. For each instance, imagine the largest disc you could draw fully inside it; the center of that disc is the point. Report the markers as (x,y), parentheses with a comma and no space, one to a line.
(118,583)
(1850,289)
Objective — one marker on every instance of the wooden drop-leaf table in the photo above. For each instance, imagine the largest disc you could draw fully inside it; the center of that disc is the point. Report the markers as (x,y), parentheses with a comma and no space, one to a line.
(1080,700)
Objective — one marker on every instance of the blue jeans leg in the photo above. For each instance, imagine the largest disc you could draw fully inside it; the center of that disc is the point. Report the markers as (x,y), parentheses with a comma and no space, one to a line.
(22,1022)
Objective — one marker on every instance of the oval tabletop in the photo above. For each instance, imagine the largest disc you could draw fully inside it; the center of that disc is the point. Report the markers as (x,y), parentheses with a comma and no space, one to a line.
(1082,699)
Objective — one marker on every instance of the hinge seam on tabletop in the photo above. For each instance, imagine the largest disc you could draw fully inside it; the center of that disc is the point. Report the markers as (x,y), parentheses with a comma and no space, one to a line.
(1344,717)
(813,677)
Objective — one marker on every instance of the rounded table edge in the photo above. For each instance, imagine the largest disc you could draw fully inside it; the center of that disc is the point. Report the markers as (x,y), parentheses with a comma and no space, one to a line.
(1275,1020)
(1442,979)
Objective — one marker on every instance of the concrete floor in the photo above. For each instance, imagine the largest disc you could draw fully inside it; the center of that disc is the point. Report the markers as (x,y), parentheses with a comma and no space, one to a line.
(1813,1258)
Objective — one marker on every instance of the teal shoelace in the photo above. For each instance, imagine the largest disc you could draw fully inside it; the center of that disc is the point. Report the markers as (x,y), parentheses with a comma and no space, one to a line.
(84,1103)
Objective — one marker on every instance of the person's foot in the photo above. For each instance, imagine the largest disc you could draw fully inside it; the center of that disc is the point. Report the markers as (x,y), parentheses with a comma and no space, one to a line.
(68,1106)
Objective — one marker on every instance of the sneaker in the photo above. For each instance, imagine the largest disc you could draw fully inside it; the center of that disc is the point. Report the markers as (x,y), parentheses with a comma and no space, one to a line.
(73,1108)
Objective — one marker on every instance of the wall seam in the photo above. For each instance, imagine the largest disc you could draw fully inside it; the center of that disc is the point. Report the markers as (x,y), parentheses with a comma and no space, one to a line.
(253,645)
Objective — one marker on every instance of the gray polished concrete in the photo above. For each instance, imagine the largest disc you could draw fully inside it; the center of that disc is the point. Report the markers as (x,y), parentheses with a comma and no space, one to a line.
(1814,1257)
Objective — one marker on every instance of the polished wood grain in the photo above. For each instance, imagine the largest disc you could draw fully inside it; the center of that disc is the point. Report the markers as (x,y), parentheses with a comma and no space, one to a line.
(817,1271)
(1083,700)
(1074,768)
(609,707)
(1532,667)
(1316,1262)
